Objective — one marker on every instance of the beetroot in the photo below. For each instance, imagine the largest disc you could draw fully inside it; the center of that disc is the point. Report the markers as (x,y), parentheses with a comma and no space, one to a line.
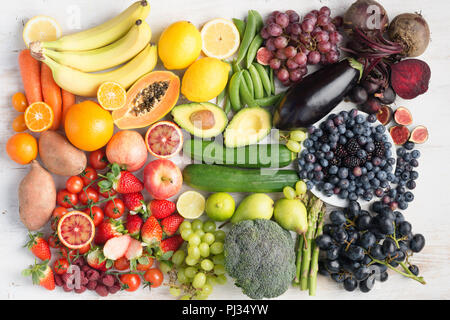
(384,115)
(399,134)
(361,15)
(412,32)
(410,78)
(263,56)
(419,135)
(403,116)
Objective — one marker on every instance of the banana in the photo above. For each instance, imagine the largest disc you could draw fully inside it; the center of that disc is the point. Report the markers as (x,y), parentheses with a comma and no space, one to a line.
(86,84)
(103,34)
(104,58)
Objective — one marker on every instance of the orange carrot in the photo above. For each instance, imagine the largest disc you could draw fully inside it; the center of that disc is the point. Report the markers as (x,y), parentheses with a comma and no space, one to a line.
(52,95)
(68,100)
(31,76)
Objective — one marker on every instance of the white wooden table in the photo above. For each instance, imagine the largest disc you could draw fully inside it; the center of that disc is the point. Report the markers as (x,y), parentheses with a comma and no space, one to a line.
(429,213)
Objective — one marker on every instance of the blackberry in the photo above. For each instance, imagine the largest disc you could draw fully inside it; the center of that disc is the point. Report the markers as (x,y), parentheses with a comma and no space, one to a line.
(351,162)
(335,162)
(352,146)
(380,149)
(340,151)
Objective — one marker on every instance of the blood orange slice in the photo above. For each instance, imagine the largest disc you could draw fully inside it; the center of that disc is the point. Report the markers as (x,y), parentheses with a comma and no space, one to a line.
(76,230)
(164,139)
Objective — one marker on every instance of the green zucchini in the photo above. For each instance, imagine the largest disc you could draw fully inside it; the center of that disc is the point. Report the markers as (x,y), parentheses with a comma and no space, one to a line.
(214,178)
(254,156)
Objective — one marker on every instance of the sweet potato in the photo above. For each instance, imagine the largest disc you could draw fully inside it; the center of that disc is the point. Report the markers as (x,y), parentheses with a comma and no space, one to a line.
(37,197)
(59,156)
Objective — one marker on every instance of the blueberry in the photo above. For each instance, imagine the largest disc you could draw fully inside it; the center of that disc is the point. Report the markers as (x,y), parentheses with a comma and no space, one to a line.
(388,145)
(369,165)
(333,169)
(319,175)
(343,184)
(407,157)
(333,180)
(309,185)
(376,161)
(342,129)
(353,196)
(370,175)
(411,185)
(325,147)
(372,118)
(357,172)
(318,132)
(380,128)
(349,134)
(409,145)
(343,140)
(415,154)
(414,163)
(367,196)
(311,158)
(414,175)
(309,167)
(329,155)
(409,197)
(391,161)
(361,154)
(353,113)
(343,173)
(324,162)
(308,143)
(334,137)
(403,205)
(343,194)
(317,167)
(381,175)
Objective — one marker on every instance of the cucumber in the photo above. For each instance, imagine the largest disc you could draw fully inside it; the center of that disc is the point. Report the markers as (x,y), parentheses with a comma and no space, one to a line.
(254,156)
(213,178)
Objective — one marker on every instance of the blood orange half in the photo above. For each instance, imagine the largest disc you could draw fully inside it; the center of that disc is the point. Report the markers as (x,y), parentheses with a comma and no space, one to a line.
(76,230)
(164,139)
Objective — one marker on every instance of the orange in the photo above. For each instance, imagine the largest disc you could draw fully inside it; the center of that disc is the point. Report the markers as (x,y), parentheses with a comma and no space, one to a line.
(39,117)
(41,28)
(19,102)
(22,148)
(19,124)
(111,96)
(76,230)
(88,126)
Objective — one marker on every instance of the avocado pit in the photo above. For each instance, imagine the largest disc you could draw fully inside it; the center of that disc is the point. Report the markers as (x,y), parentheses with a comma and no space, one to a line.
(203,119)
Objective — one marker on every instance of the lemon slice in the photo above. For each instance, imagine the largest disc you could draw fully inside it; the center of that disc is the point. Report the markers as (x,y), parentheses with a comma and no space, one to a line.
(220,38)
(41,28)
(111,96)
(191,205)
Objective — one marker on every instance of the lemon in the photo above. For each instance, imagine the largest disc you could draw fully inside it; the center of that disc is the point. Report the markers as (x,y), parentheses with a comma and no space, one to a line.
(205,79)
(41,28)
(179,45)
(191,205)
(220,38)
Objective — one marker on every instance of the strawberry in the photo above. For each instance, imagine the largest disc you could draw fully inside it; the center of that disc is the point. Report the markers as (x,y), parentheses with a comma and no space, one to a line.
(171,223)
(134,225)
(151,232)
(38,246)
(161,208)
(171,244)
(42,275)
(108,229)
(120,181)
(134,202)
(96,259)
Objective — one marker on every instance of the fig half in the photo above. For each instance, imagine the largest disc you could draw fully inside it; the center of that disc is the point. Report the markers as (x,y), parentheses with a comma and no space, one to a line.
(403,116)
(399,134)
(419,135)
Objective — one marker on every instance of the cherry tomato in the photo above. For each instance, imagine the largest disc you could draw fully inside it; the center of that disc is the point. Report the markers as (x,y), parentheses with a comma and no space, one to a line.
(54,242)
(145,267)
(130,281)
(98,160)
(122,264)
(66,199)
(88,175)
(114,208)
(56,215)
(96,213)
(154,277)
(74,184)
(88,194)
(84,249)
(19,102)
(60,266)
(69,254)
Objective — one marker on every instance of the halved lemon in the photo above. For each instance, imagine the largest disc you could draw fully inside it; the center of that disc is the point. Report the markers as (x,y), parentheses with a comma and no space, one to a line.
(76,230)
(191,205)
(111,96)
(164,139)
(220,38)
(39,117)
(41,28)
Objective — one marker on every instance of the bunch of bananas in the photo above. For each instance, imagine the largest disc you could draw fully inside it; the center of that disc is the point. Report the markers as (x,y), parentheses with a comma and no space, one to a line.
(123,39)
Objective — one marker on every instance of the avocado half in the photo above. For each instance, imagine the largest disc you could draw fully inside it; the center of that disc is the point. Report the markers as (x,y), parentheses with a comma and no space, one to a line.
(203,120)
(249,126)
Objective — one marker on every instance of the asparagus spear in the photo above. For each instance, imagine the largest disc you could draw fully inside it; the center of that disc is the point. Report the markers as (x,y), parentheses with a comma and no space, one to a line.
(312,281)
(300,241)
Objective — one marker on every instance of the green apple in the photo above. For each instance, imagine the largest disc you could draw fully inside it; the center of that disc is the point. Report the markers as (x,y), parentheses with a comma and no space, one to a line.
(255,206)
(220,206)
(291,215)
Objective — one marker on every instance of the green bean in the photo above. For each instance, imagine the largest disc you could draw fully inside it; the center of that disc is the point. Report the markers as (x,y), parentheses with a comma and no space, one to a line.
(240,25)
(246,95)
(249,82)
(259,20)
(270,101)
(227,106)
(264,78)
(257,83)
(233,91)
(253,49)
(236,67)
(249,34)
(272,80)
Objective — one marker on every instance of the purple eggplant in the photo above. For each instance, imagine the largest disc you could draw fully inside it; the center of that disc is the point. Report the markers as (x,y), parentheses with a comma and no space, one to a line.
(317,95)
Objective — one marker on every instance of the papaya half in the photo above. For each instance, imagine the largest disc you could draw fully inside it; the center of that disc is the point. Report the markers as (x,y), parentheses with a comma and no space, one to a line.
(148,100)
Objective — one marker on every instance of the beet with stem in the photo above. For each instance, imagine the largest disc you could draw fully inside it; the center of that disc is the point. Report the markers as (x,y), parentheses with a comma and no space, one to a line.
(412,32)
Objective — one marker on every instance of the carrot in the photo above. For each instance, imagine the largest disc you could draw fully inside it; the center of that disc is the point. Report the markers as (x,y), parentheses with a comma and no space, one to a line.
(31,76)
(52,95)
(68,100)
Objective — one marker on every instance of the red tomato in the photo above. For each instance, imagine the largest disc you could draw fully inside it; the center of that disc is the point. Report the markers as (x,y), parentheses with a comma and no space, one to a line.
(66,199)
(154,277)
(88,194)
(130,281)
(74,184)
(98,160)
(88,175)
(60,266)
(122,264)
(114,208)
(56,215)
(54,242)
(68,253)
(96,213)
(145,267)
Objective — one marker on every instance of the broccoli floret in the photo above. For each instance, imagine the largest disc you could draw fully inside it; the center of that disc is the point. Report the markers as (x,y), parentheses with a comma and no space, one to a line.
(260,256)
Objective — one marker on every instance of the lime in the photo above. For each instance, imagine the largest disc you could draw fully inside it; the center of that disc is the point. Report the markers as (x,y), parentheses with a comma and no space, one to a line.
(220,206)
(191,205)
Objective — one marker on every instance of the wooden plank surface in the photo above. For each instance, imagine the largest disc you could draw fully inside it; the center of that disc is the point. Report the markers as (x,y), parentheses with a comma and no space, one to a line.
(429,213)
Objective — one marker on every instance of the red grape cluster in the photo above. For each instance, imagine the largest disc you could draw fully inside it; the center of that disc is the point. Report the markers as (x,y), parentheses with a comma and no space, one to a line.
(291,44)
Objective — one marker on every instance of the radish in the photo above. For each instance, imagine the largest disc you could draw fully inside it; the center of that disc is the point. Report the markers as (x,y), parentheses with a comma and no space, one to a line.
(116,248)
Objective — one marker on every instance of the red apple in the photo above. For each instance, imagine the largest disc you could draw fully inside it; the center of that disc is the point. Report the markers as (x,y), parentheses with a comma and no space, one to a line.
(162,179)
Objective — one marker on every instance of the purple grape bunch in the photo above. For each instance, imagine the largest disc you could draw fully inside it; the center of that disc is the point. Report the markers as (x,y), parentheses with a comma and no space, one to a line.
(291,44)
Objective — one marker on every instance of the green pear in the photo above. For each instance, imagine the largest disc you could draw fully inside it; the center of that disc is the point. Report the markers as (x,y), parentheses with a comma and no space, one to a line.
(255,206)
(291,215)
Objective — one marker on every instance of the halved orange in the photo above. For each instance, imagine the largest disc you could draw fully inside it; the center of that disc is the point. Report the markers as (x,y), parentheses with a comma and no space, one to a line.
(164,139)
(39,117)
(111,96)
(76,230)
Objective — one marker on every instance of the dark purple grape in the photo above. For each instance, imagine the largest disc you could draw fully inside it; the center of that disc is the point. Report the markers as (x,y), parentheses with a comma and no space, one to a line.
(280,42)
(324,47)
(314,57)
(280,54)
(323,20)
(329,27)
(301,59)
(273,14)
(282,19)
(335,37)
(325,11)
(293,16)
(305,38)
(291,64)
(275,63)
(308,25)
(296,75)
(295,29)
(322,36)
(311,17)
(315,12)
(264,33)
(290,52)
(316,30)
(274,29)
(270,44)
(283,75)
(332,56)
